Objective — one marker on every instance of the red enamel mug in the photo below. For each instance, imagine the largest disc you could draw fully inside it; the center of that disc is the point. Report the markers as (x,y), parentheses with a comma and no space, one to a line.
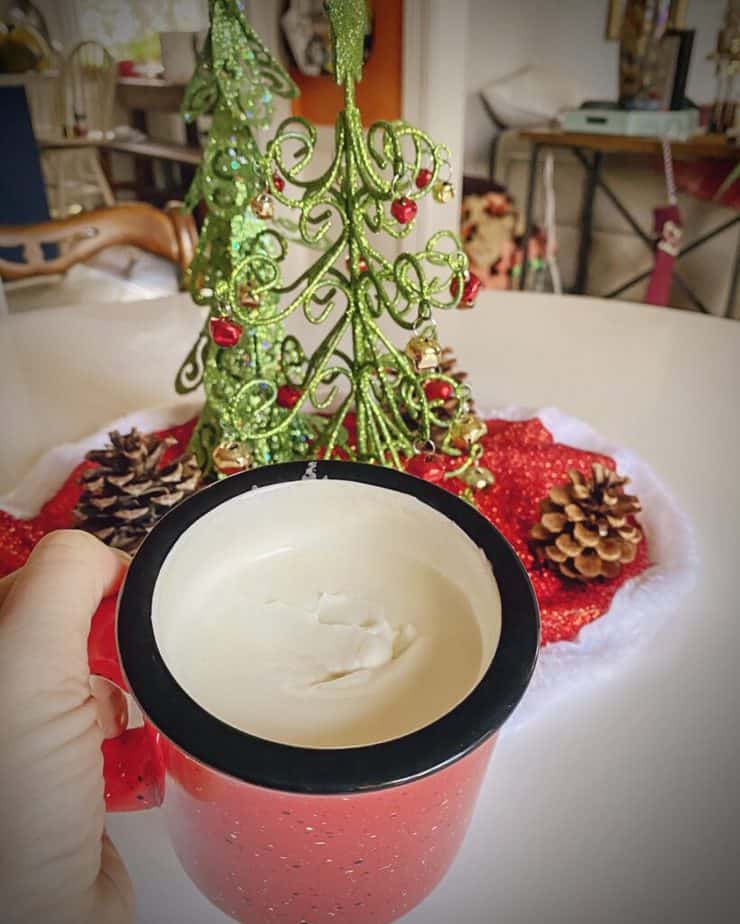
(277,833)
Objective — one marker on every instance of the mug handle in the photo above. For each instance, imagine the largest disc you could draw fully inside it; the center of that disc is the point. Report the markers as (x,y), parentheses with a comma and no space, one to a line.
(133,768)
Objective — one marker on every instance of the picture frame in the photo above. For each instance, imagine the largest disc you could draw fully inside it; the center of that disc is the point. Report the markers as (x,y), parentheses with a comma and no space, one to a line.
(674,58)
(615,14)
(677,14)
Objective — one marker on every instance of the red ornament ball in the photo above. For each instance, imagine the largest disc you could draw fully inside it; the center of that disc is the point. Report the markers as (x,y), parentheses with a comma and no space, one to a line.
(469,292)
(423,178)
(278,182)
(427,466)
(437,390)
(403,210)
(350,425)
(288,396)
(225,333)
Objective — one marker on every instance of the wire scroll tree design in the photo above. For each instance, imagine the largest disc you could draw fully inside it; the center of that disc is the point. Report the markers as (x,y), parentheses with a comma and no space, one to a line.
(235,82)
(374,398)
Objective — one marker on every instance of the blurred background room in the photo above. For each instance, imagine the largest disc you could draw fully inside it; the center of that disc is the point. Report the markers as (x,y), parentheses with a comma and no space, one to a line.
(596,136)
(183,270)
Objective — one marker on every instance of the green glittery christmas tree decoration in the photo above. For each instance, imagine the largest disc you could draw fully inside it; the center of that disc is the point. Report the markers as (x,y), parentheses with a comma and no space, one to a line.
(379,402)
(239,349)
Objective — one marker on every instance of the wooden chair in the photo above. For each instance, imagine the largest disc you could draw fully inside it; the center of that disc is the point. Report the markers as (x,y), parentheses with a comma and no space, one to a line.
(169,233)
(83,100)
(90,83)
(46,103)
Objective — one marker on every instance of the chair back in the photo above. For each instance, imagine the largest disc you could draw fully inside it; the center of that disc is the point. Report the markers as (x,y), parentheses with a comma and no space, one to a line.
(52,247)
(45,95)
(89,87)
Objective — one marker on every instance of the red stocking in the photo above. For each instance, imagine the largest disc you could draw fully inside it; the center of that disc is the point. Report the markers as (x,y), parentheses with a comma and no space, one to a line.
(668,226)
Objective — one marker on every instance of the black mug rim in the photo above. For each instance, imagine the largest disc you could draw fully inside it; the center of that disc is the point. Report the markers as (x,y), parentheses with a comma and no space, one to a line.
(288,768)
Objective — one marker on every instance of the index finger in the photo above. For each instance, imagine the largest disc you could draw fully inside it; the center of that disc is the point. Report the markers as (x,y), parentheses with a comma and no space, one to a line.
(45,619)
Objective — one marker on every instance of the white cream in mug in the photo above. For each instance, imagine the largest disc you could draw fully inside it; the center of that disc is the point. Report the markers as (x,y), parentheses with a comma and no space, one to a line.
(326,613)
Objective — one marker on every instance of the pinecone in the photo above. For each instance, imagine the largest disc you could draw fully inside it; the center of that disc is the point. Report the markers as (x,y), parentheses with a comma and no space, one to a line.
(448,366)
(586,527)
(127,492)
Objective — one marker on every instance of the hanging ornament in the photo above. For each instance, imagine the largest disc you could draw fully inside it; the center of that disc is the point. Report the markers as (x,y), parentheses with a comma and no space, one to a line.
(361,264)
(467,430)
(450,409)
(288,396)
(232,457)
(225,332)
(426,464)
(667,224)
(404,210)
(470,290)
(438,390)
(478,477)
(263,206)
(248,298)
(278,182)
(423,178)
(424,351)
(443,191)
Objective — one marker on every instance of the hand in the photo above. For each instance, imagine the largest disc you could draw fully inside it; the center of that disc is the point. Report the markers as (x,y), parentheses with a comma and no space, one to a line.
(56,862)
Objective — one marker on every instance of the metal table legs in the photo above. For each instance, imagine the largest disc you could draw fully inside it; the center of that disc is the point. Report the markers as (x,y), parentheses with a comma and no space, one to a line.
(593,181)
(529,213)
(593,168)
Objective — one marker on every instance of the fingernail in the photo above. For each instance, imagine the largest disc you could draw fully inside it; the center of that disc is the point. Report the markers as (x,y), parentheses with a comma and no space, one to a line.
(99,686)
(111,706)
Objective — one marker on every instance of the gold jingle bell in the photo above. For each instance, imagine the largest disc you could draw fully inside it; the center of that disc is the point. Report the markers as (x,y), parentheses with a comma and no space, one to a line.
(443,191)
(478,477)
(248,298)
(424,352)
(232,457)
(467,430)
(263,206)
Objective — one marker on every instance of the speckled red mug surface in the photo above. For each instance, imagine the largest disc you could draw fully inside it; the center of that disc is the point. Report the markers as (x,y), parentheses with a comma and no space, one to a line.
(266,857)
(275,834)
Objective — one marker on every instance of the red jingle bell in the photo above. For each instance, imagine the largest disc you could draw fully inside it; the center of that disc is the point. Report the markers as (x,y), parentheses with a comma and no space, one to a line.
(437,390)
(469,292)
(423,178)
(288,396)
(350,425)
(278,182)
(403,210)
(361,264)
(224,333)
(427,466)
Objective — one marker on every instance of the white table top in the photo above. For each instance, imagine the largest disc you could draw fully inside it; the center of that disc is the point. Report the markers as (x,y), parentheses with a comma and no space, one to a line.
(619,808)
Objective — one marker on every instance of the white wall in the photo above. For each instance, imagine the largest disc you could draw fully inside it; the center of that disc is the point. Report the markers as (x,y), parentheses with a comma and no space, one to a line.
(501,38)
(566,36)
(435,30)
